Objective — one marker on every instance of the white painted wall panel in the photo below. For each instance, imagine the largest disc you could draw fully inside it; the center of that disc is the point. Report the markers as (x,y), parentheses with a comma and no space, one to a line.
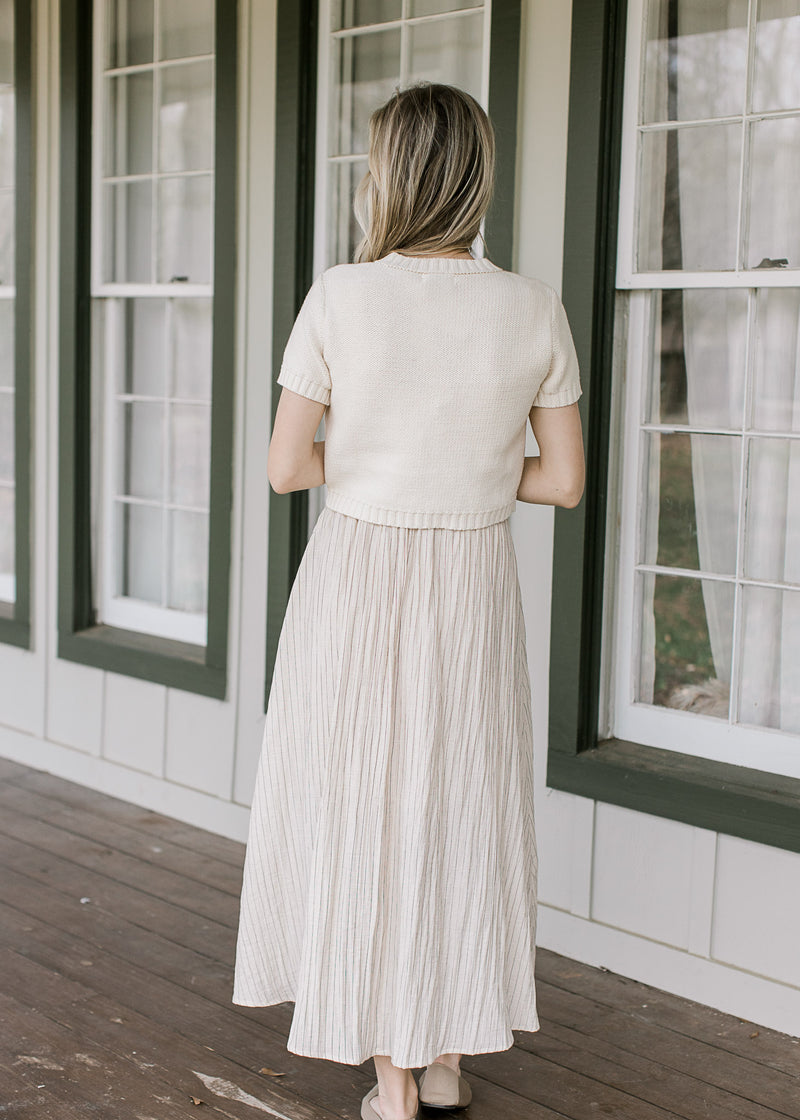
(133,723)
(200,735)
(21,689)
(642,873)
(757,909)
(74,701)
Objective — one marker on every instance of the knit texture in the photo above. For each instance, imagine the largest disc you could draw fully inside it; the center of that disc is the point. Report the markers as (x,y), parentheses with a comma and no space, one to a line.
(429,367)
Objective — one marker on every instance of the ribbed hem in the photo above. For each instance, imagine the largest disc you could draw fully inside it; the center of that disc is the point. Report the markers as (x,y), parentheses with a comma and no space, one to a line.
(418,519)
(298,383)
(555,400)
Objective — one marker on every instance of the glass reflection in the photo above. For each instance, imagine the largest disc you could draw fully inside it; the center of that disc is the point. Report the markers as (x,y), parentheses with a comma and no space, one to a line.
(690,496)
(365,70)
(770,679)
(698,360)
(685,643)
(776,397)
(776,82)
(695,60)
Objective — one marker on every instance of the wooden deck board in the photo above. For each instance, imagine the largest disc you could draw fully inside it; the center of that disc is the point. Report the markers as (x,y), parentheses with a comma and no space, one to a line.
(138,980)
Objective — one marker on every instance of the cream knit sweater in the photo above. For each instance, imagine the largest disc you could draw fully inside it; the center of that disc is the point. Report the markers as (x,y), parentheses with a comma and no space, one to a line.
(429,367)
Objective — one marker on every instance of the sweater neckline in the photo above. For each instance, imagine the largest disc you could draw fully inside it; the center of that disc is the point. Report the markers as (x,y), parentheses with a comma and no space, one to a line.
(439,264)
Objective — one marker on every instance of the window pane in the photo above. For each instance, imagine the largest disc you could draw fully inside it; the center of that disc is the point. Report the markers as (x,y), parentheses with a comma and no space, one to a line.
(344,232)
(697,369)
(777,373)
(188,581)
(448,50)
(190,440)
(129,124)
(7,129)
(358,13)
(186,118)
(689,198)
(127,249)
(432,7)
(142,366)
(685,645)
(187,27)
(771,659)
(191,349)
(776,84)
(6,436)
(138,565)
(7,533)
(365,72)
(774,200)
(129,32)
(695,60)
(185,226)
(772,524)
(6,42)
(141,468)
(6,343)
(691,496)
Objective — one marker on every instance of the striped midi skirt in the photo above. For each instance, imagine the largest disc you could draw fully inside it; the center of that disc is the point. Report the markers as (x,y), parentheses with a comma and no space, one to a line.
(390,876)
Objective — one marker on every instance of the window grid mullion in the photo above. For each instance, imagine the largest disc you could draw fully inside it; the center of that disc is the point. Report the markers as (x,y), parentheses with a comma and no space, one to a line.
(166,453)
(744,460)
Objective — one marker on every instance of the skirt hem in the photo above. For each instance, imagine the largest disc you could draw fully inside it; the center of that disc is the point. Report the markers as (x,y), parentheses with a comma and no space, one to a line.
(504,1040)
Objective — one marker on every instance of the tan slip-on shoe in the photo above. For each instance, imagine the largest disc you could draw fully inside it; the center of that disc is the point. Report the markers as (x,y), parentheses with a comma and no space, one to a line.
(441,1087)
(370,1113)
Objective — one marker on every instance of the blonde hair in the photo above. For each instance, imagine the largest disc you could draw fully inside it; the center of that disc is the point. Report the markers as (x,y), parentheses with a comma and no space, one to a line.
(431,173)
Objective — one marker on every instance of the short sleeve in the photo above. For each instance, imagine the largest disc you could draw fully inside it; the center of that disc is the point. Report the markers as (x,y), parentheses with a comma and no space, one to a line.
(303,368)
(561,384)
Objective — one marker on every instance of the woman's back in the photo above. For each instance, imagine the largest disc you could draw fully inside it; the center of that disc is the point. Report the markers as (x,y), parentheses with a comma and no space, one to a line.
(430,367)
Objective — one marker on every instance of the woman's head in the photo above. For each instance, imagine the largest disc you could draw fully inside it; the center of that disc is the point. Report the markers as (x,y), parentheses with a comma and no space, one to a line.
(431,173)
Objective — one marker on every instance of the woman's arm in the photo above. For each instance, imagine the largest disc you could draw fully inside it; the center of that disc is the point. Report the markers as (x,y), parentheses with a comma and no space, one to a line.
(555,476)
(295,461)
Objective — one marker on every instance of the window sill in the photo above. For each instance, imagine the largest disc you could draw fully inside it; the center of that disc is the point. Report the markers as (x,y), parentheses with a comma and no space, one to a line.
(736,800)
(146,656)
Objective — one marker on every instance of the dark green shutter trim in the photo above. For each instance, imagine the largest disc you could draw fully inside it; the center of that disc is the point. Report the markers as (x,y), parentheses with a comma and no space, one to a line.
(224,327)
(735,800)
(175,664)
(293,262)
(503,97)
(15,617)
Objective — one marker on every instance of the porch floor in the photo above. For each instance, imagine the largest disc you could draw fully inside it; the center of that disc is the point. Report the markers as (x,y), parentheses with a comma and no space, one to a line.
(118,930)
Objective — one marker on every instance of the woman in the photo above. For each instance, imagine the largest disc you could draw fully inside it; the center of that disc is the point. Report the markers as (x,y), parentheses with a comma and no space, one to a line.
(390,878)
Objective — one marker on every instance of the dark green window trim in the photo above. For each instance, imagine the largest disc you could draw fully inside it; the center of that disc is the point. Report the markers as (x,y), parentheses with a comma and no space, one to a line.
(15,618)
(731,799)
(295,130)
(201,669)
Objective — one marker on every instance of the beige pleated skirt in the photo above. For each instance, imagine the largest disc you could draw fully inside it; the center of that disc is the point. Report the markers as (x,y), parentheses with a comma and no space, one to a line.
(390,875)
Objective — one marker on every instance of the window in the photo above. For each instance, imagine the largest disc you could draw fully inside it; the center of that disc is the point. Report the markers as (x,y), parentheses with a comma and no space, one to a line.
(708,590)
(15,210)
(148,240)
(365,51)
(635,330)
(152,289)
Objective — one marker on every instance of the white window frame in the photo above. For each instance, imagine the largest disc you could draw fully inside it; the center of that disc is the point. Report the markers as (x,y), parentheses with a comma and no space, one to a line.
(325,163)
(764,749)
(128,612)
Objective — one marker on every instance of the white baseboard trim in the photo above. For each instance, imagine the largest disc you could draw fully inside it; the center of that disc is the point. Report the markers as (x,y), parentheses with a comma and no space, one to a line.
(173,800)
(757,999)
